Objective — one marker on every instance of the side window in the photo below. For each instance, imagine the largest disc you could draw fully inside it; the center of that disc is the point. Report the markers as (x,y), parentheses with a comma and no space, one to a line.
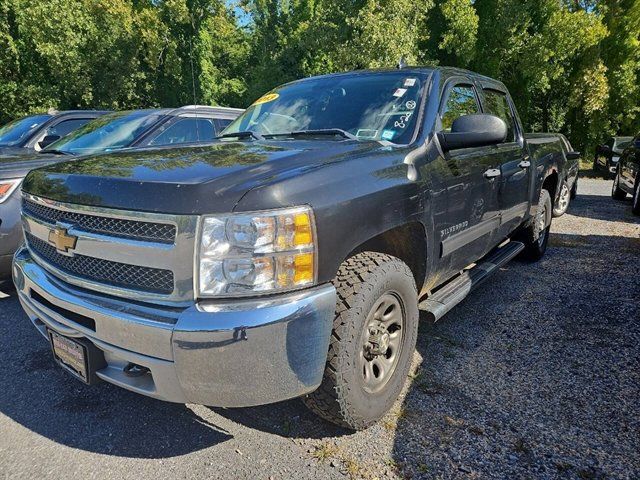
(221,124)
(66,126)
(186,130)
(460,101)
(496,103)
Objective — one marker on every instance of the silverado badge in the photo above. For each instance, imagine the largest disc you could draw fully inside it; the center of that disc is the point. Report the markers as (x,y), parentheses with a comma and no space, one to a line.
(62,240)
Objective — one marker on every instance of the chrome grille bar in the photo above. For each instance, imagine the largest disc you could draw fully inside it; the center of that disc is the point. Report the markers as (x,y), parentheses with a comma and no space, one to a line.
(141,268)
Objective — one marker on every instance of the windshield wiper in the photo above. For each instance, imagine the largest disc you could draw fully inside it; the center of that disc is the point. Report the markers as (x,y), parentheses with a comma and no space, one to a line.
(322,131)
(56,152)
(242,134)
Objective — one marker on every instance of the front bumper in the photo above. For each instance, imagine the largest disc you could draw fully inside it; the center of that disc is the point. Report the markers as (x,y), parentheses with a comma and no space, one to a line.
(218,353)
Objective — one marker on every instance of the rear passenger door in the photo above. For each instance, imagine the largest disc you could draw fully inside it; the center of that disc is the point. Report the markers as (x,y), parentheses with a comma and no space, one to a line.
(514,164)
(472,206)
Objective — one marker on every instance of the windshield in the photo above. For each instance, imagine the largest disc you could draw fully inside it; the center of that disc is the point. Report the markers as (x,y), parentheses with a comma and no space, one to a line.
(14,132)
(108,132)
(620,143)
(369,106)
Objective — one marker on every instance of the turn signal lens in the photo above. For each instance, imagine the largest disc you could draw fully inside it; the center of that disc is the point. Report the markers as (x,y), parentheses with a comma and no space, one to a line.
(7,187)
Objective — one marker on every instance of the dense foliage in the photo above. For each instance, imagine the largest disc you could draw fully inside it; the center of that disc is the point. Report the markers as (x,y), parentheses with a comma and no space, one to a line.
(572,65)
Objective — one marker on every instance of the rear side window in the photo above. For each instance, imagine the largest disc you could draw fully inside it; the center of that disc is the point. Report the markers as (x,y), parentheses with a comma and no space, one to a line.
(496,103)
(186,130)
(221,124)
(461,101)
(65,127)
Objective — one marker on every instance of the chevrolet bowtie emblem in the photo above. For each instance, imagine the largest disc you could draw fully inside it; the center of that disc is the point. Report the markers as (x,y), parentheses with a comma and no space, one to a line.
(62,240)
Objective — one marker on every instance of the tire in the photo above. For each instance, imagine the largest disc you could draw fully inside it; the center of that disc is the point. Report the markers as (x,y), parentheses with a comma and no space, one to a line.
(535,235)
(564,199)
(350,394)
(574,190)
(635,204)
(616,192)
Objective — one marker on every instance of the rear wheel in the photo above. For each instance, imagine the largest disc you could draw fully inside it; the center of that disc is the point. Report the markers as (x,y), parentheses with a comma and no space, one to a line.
(535,235)
(574,190)
(563,200)
(635,206)
(616,192)
(372,342)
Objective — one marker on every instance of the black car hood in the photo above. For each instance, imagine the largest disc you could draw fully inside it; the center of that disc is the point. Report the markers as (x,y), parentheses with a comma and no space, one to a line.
(187,180)
(17,162)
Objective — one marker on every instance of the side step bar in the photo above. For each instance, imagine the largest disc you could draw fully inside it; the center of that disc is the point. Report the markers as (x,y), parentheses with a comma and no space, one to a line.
(452,293)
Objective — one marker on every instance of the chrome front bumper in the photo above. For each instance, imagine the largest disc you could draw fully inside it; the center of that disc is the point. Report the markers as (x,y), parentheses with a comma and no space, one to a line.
(217,353)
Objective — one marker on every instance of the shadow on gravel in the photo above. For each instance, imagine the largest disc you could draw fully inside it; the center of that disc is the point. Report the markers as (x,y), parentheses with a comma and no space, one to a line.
(288,419)
(105,419)
(600,207)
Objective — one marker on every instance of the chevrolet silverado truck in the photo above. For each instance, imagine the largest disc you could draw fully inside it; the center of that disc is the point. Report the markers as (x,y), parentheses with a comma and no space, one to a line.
(291,257)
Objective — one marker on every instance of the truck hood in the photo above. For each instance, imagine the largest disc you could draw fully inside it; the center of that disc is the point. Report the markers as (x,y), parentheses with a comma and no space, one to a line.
(17,162)
(186,180)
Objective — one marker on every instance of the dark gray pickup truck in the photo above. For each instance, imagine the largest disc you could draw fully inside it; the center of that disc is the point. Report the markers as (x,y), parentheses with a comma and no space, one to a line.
(291,257)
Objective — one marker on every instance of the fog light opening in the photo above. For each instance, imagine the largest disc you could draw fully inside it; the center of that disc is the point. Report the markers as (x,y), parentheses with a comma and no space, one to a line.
(134,370)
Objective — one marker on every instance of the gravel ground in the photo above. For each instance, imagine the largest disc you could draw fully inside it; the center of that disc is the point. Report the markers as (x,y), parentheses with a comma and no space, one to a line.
(536,375)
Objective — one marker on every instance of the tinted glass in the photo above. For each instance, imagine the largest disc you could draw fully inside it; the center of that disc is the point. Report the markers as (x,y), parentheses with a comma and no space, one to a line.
(14,132)
(186,130)
(108,132)
(496,103)
(370,106)
(461,101)
(221,124)
(66,126)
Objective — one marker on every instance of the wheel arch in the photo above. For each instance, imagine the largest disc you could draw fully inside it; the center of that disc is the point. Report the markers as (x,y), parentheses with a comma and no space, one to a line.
(407,242)
(551,184)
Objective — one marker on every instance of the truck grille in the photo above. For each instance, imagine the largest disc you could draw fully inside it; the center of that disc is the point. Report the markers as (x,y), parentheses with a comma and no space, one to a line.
(115,227)
(153,280)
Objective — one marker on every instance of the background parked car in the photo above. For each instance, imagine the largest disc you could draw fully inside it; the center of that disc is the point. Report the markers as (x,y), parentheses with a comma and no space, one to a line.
(36,132)
(608,154)
(627,179)
(114,131)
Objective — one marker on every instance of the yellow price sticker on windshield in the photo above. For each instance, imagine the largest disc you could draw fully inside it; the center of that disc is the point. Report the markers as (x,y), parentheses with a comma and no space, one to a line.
(269,97)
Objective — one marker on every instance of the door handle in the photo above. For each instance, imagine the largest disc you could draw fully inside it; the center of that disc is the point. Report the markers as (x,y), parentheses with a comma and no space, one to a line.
(524,164)
(492,173)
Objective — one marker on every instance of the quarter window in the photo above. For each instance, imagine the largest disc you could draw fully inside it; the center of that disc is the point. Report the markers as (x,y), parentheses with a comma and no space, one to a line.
(496,103)
(461,101)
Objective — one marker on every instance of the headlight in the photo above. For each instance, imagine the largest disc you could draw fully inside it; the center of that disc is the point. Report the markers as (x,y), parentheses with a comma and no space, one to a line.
(256,253)
(7,187)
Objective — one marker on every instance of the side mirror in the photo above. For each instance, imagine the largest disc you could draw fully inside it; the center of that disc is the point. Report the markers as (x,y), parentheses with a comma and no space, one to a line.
(573,155)
(48,140)
(477,130)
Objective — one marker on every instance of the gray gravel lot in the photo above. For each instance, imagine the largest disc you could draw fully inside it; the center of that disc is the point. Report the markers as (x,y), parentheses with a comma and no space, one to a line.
(537,375)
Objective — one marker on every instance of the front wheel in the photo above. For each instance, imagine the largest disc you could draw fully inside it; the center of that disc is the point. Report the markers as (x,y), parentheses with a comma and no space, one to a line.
(372,342)
(535,234)
(563,200)
(616,192)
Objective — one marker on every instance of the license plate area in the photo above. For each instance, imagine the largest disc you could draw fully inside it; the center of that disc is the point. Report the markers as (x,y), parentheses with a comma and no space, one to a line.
(78,356)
